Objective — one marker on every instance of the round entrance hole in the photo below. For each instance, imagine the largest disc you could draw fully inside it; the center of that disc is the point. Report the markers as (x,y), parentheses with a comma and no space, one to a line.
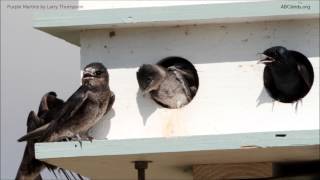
(187,76)
(172,82)
(289,85)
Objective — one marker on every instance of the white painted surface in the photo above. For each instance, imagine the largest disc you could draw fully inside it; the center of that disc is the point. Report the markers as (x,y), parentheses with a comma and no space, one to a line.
(230,99)
(90,5)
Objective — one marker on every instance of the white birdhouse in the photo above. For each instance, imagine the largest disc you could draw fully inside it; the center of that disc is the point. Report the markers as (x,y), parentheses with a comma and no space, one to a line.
(222,42)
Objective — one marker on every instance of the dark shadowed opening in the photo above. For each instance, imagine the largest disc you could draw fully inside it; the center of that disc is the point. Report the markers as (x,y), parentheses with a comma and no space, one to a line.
(186,66)
(305,70)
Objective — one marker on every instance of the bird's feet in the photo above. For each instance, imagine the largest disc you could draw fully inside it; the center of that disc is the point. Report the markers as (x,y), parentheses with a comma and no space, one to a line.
(79,140)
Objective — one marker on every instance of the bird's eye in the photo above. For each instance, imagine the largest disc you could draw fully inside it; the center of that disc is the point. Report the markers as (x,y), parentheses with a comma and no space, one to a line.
(98,73)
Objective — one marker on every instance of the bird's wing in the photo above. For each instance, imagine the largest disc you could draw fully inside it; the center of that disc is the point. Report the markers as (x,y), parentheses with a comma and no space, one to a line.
(111,101)
(269,83)
(33,121)
(303,71)
(69,108)
(43,107)
(187,73)
(189,76)
(72,105)
(193,90)
(181,79)
(30,167)
(48,102)
(35,134)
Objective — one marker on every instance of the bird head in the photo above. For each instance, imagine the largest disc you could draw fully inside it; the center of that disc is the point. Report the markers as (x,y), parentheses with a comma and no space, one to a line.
(149,77)
(95,75)
(276,54)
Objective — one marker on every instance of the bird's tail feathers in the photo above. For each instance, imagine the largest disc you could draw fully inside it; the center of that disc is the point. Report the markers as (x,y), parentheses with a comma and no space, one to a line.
(29,168)
(21,176)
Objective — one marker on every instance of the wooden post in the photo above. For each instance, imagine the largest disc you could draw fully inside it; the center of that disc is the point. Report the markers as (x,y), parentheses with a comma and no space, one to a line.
(141,166)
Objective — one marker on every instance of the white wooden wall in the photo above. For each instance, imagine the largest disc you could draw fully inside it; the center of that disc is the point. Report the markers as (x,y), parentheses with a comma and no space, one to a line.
(231,97)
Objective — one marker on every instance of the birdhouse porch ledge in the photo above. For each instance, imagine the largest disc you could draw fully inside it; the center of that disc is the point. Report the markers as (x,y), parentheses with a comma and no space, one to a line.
(174,158)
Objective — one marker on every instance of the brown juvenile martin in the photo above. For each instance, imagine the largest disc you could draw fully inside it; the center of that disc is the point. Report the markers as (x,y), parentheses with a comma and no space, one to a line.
(81,111)
(167,86)
(30,168)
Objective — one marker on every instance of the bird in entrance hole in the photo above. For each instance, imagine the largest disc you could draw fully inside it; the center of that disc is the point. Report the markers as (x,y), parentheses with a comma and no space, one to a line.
(81,111)
(171,87)
(288,75)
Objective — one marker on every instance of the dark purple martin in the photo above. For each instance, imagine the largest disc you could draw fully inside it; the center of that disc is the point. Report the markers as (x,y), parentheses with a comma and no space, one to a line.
(81,111)
(288,75)
(30,167)
(169,86)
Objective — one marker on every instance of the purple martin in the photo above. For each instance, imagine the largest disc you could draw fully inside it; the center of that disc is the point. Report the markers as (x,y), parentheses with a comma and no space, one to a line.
(288,75)
(168,86)
(81,111)
(30,167)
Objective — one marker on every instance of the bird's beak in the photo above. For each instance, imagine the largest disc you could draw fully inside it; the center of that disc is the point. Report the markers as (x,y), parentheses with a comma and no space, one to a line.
(87,75)
(146,91)
(264,59)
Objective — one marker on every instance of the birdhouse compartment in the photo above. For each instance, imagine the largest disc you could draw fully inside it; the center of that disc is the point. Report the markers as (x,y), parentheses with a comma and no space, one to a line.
(231,97)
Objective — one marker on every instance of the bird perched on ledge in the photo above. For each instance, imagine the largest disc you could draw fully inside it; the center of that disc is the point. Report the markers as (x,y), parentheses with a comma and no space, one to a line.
(288,75)
(30,168)
(167,86)
(81,111)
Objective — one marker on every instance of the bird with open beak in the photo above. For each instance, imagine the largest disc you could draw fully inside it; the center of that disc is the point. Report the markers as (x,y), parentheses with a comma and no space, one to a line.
(81,111)
(287,75)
